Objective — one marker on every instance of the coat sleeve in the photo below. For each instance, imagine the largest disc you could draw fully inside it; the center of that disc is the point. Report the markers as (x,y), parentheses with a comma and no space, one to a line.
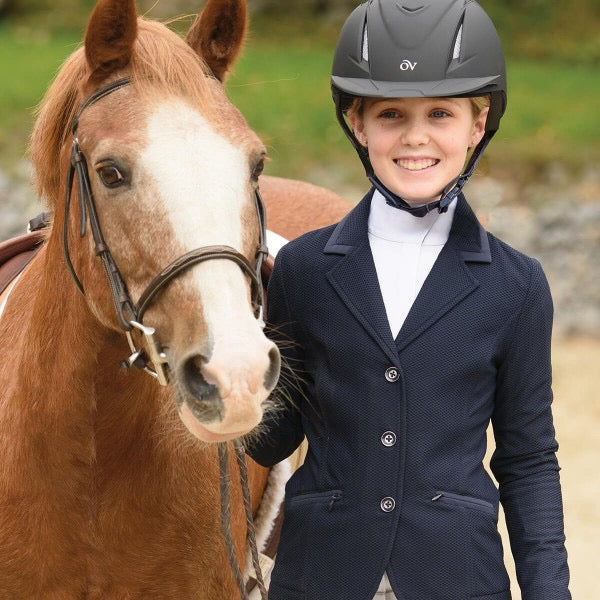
(280,432)
(524,462)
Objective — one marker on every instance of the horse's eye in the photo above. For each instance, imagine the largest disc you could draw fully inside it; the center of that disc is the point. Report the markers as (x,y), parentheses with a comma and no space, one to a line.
(257,170)
(110,176)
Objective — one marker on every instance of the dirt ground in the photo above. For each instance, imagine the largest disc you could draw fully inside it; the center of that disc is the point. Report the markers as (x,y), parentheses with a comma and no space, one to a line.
(576,367)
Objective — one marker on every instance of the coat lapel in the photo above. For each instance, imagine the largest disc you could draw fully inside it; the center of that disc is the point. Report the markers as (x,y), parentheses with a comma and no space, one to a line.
(354,277)
(450,279)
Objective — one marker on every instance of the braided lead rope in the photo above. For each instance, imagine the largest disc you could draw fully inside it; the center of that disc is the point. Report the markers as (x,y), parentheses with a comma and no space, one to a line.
(225,487)
(240,455)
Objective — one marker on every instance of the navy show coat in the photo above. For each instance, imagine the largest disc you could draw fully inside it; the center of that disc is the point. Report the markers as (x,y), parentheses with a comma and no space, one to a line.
(393,480)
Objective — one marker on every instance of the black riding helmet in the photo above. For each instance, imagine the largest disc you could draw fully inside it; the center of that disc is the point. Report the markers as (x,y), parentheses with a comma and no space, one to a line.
(419,48)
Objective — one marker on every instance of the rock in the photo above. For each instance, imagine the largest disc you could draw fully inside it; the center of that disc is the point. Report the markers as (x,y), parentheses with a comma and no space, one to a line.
(557,222)
(18,203)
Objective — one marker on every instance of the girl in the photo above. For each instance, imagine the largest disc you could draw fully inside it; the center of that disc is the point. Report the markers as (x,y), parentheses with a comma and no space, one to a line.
(411,328)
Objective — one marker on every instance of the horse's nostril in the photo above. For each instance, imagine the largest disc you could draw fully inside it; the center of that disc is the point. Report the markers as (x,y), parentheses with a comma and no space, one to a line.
(203,398)
(272,374)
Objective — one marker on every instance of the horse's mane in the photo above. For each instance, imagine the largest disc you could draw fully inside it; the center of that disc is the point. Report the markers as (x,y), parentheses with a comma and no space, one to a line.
(162,64)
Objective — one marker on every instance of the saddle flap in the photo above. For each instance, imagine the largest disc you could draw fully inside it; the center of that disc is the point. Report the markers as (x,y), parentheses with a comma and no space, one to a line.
(16,253)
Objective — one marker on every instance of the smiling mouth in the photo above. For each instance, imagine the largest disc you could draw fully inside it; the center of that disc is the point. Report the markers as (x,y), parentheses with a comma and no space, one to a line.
(416,164)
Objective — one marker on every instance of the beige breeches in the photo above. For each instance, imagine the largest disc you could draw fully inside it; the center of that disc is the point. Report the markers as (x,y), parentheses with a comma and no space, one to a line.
(385,590)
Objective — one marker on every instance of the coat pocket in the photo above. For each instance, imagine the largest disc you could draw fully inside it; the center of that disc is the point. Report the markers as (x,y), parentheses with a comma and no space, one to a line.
(486,571)
(465,501)
(303,513)
(328,498)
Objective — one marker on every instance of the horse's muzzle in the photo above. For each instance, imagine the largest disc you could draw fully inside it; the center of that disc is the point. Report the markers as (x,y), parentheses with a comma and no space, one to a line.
(226,397)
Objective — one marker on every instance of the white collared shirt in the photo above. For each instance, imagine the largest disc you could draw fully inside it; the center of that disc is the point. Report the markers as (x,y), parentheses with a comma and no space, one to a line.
(404,249)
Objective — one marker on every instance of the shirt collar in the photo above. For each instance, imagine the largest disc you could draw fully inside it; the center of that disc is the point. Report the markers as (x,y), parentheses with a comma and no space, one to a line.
(389,223)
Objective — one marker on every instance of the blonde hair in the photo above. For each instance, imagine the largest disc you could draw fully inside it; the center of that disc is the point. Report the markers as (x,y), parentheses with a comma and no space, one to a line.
(478,103)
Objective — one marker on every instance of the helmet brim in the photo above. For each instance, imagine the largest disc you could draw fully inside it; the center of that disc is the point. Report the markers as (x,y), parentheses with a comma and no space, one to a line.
(367,88)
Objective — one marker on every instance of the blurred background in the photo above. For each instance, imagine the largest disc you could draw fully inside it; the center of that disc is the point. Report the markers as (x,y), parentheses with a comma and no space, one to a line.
(538,186)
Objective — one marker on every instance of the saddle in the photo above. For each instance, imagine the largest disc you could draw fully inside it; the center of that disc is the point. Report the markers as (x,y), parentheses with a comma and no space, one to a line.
(16,253)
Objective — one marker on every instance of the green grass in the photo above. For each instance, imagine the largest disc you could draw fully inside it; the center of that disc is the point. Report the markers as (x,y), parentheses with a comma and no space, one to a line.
(552,111)
(28,63)
(553,103)
(283,90)
(284,94)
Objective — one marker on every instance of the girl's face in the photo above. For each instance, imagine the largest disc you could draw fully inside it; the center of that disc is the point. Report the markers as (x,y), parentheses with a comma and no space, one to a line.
(418,146)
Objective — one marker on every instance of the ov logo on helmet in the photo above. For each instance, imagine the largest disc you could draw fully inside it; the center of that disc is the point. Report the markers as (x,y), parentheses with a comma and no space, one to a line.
(407,65)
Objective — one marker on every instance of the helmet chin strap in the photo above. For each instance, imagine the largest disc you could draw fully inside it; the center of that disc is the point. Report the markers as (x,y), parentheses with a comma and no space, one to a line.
(399,202)
(448,194)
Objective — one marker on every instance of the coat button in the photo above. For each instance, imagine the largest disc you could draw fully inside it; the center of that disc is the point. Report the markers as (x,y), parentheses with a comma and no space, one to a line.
(389,439)
(388,504)
(391,374)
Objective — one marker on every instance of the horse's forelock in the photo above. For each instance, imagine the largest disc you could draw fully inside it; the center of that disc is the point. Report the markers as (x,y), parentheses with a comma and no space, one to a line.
(162,58)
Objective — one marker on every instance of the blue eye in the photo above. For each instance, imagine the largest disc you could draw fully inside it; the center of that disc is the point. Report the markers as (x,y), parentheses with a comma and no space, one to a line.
(439,114)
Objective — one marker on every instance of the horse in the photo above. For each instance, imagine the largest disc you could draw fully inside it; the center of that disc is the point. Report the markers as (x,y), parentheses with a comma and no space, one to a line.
(109,480)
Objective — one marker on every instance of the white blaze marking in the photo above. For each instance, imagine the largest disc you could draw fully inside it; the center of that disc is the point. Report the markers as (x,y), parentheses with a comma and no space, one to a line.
(202,184)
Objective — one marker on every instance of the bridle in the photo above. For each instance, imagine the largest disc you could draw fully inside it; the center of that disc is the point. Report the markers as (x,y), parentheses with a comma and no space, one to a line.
(152,359)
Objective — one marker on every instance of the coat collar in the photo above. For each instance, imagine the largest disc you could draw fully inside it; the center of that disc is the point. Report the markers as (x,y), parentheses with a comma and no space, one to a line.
(355,279)
(466,234)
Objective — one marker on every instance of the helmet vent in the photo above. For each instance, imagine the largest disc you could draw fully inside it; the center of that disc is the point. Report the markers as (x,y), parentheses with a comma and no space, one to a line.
(365,43)
(458,43)
(410,9)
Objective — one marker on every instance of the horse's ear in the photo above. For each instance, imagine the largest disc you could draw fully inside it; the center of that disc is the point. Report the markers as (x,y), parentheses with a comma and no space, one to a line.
(109,37)
(218,33)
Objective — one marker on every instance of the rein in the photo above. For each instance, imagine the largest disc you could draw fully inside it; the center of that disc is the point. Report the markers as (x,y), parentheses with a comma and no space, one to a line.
(152,359)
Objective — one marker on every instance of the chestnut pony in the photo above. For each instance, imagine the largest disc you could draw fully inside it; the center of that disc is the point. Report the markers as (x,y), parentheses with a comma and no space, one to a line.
(109,481)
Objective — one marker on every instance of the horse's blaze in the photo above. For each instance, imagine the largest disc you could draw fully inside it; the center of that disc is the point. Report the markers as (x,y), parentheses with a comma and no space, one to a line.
(199,179)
